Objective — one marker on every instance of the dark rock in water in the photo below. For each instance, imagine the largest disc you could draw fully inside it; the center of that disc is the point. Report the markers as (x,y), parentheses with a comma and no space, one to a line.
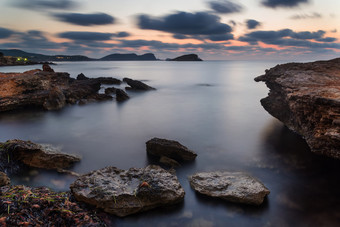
(169,161)
(187,57)
(137,85)
(4,180)
(125,192)
(121,95)
(47,68)
(169,148)
(306,98)
(110,90)
(108,80)
(81,76)
(234,187)
(56,99)
(38,155)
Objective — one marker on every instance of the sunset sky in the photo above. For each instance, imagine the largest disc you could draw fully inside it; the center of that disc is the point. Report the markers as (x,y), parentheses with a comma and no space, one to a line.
(214,29)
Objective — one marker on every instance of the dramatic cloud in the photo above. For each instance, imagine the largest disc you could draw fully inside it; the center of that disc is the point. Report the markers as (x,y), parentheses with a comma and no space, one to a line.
(85,19)
(86,36)
(196,25)
(225,7)
(252,24)
(306,16)
(283,3)
(45,4)
(5,33)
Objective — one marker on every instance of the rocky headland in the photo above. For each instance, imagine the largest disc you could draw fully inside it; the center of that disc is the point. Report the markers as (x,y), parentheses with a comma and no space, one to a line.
(306,98)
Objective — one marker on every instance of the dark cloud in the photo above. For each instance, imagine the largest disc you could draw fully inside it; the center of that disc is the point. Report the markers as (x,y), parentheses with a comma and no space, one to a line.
(86,36)
(306,16)
(225,7)
(85,19)
(283,3)
(197,25)
(252,24)
(44,4)
(5,33)
(122,34)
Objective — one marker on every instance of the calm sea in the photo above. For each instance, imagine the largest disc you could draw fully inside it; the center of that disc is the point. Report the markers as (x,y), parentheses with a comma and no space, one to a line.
(212,107)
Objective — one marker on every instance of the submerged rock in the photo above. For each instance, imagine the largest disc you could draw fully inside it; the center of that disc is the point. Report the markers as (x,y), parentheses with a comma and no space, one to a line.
(137,85)
(169,148)
(125,192)
(234,187)
(4,180)
(38,155)
(121,95)
(306,98)
(169,161)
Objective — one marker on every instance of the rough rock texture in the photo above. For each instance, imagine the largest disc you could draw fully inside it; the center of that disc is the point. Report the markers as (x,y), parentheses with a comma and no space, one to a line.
(110,90)
(81,76)
(234,187)
(169,148)
(137,85)
(47,68)
(47,90)
(37,155)
(306,98)
(125,192)
(121,95)
(4,180)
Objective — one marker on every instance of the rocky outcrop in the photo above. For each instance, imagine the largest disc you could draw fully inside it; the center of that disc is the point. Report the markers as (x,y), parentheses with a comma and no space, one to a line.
(137,85)
(121,95)
(125,192)
(47,90)
(4,180)
(110,90)
(81,76)
(36,155)
(187,57)
(47,68)
(234,187)
(306,98)
(169,148)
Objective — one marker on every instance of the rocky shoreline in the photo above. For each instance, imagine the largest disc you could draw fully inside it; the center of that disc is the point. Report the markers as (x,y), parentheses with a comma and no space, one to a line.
(306,98)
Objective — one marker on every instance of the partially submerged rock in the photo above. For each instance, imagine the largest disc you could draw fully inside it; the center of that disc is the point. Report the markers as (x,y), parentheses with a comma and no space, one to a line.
(234,187)
(169,161)
(169,148)
(110,90)
(4,179)
(121,95)
(137,85)
(37,155)
(125,192)
(306,98)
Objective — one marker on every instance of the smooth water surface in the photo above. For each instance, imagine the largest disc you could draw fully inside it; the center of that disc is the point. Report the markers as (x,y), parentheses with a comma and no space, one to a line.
(212,107)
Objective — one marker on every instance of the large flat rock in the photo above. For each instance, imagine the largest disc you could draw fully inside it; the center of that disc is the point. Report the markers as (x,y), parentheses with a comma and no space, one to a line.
(306,98)
(125,192)
(235,187)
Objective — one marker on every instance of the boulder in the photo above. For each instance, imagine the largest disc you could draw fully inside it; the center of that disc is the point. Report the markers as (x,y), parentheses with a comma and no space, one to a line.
(169,162)
(81,76)
(4,180)
(306,98)
(110,90)
(169,148)
(47,68)
(56,99)
(125,192)
(38,155)
(121,95)
(137,85)
(235,187)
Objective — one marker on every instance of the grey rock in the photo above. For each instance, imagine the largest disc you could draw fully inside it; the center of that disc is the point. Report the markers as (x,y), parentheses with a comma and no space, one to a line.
(121,95)
(234,187)
(137,85)
(4,180)
(125,192)
(169,148)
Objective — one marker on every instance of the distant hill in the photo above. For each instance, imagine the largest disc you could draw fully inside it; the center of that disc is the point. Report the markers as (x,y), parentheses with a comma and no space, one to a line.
(129,57)
(187,57)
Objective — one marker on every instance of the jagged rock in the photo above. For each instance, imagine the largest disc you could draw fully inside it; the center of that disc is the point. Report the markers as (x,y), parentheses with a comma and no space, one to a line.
(81,76)
(169,161)
(137,85)
(169,148)
(121,95)
(4,180)
(37,155)
(234,187)
(125,192)
(47,68)
(110,90)
(306,98)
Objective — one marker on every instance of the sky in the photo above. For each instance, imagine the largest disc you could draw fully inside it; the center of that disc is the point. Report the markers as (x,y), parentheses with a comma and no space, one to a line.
(213,29)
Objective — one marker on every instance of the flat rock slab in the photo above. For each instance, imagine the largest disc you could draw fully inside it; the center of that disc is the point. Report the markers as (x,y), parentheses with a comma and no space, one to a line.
(37,155)
(169,148)
(235,187)
(125,192)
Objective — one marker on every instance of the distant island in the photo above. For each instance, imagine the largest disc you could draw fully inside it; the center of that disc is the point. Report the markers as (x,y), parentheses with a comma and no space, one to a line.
(187,57)
(129,57)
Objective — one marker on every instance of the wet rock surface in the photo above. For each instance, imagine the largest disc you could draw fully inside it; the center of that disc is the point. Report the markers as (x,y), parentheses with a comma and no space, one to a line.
(169,148)
(306,98)
(121,95)
(36,155)
(137,85)
(125,192)
(235,187)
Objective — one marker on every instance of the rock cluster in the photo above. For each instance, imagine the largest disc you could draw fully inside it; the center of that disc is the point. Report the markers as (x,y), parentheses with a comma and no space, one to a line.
(306,98)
